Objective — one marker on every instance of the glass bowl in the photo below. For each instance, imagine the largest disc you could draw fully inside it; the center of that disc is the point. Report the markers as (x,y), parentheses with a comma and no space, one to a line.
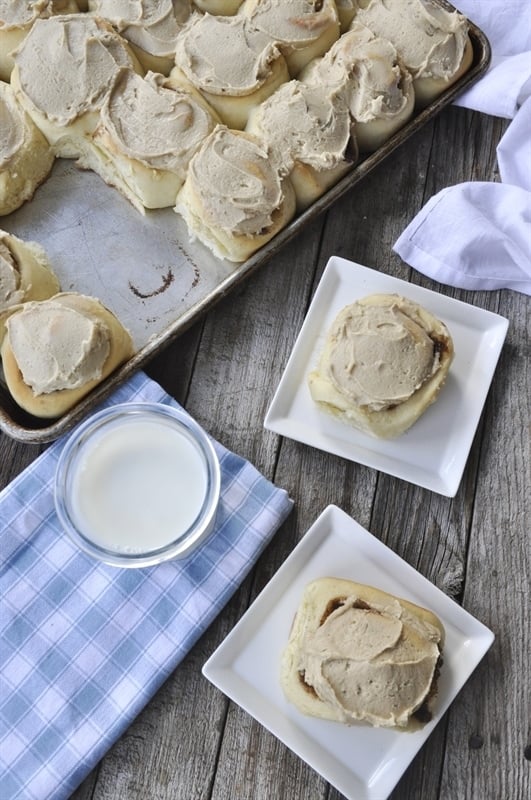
(137,484)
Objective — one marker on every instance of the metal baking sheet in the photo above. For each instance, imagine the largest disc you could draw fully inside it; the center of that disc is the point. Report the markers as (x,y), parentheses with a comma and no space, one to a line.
(143,267)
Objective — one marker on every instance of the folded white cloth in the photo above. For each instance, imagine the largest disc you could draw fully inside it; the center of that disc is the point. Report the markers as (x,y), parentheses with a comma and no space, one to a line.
(507,26)
(514,150)
(477,235)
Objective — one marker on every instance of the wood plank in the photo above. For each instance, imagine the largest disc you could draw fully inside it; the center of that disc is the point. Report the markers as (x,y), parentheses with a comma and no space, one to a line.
(490,723)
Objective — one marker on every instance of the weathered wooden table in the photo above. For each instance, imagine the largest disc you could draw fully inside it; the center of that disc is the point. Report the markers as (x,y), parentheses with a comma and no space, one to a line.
(191,742)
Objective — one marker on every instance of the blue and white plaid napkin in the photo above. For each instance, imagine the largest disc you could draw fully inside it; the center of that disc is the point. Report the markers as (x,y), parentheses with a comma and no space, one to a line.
(84,646)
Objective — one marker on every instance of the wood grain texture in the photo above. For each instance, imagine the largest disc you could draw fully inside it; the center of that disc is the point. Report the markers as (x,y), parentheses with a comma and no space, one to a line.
(190,742)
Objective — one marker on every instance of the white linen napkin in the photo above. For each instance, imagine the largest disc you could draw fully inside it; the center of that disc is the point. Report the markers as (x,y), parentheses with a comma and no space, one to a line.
(477,235)
(507,26)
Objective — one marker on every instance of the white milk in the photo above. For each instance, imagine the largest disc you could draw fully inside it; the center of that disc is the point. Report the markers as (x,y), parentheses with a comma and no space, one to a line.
(138,485)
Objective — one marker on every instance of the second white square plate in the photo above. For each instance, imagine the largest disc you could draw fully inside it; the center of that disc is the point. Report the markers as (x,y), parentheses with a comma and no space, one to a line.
(362,762)
(434,451)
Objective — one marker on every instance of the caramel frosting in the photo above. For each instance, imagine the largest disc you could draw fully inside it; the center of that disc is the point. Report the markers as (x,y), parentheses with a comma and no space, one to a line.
(12,127)
(67,64)
(238,186)
(151,25)
(225,55)
(430,39)
(56,347)
(308,123)
(21,13)
(16,19)
(159,126)
(378,356)
(367,67)
(10,282)
(292,22)
(371,661)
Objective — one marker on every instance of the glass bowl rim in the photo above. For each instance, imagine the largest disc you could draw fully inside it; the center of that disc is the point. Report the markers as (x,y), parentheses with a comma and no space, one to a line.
(188,540)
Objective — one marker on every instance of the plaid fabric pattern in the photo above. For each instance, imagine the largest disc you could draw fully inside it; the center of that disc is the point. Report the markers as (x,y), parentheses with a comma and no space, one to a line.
(84,646)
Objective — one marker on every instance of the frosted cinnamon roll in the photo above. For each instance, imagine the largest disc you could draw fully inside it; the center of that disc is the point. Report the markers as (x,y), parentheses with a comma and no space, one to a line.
(25,156)
(309,133)
(432,42)
(55,351)
(16,19)
(358,654)
(63,71)
(25,272)
(378,87)
(222,8)
(384,361)
(303,29)
(233,199)
(234,77)
(146,137)
(150,26)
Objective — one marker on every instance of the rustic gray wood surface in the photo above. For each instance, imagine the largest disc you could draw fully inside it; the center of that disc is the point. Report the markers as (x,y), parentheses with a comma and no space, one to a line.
(190,742)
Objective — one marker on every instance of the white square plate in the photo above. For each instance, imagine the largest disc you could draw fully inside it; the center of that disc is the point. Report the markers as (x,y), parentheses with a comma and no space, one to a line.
(362,762)
(433,452)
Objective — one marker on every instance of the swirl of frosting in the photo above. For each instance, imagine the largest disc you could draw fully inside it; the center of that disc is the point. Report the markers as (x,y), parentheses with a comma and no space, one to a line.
(430,39)
(57,347)
(151,25)
(158,126)
(368,67)
(238,185)
(225,55)
(291,21)
(67,64)
(308,123)
(371,661)
(379,355)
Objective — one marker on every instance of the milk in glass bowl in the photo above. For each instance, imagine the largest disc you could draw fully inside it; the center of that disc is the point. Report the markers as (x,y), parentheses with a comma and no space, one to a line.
(137,484)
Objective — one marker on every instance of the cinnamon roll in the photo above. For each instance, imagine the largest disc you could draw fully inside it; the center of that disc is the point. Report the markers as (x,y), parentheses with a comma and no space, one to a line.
(55,351)
(63,72)
(146,137)
(358,654)
(384,362)
(150,26)
(16,19)
(25,272)
(309,132)
(432,41)
(303,29)
(234,200)
(235,77)
(379,89)
(26,158)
